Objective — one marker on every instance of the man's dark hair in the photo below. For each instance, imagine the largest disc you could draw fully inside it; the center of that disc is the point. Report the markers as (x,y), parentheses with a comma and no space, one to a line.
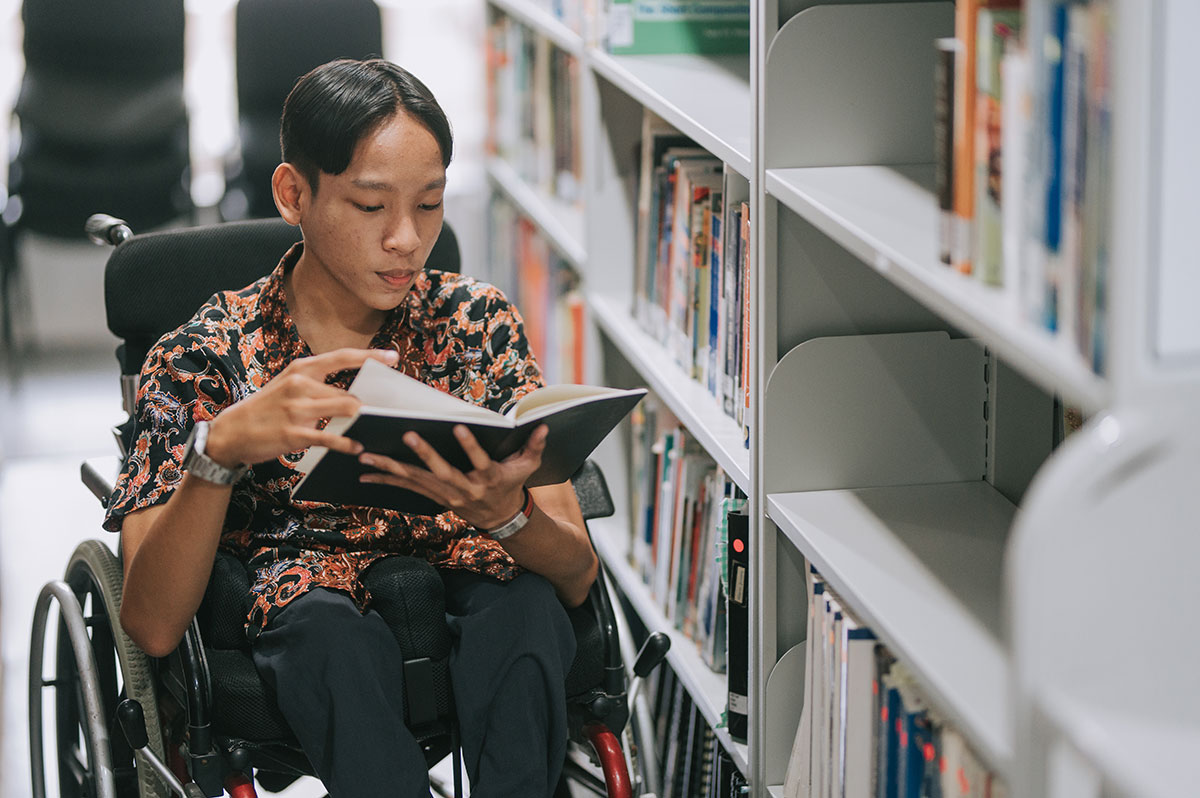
(331,108)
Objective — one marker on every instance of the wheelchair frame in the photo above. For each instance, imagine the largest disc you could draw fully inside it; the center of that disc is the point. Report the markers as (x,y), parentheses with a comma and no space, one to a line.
(97,664)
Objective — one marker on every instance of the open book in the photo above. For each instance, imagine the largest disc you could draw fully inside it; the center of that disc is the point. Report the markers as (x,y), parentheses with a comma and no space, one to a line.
(579,417)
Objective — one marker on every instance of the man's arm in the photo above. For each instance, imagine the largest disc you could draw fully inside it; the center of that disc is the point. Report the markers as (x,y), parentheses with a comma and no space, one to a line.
(168,550)
(555,543)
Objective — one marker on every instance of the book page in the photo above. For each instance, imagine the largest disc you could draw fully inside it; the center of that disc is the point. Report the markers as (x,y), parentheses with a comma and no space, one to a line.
(553,398)
(386,391)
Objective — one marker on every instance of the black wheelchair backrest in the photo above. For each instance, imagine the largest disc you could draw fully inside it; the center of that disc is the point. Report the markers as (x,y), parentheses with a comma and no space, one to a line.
(154,282)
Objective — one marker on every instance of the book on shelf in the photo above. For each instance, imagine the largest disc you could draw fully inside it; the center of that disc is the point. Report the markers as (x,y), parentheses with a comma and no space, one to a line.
(579,418)
(948,49)
(692,761)
(966,21)
(546,288)
(679,499)
(998,30)
(738,625)
(657,137)
(703,27)
(533,109)
(866,729)
(743,405)
(692,263)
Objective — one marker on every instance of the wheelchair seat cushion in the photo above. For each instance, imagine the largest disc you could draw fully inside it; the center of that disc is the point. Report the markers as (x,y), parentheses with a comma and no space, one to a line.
(406,591)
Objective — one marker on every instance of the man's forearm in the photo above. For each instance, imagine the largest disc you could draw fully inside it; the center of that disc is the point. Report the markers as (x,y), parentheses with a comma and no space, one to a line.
(168,555)
(558,550)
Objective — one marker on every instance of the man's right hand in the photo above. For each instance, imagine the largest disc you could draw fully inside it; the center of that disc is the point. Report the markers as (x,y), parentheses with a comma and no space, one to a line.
(283,416)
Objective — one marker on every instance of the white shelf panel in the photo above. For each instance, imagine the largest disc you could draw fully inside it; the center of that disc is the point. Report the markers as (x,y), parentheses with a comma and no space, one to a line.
(543,23)
(708,689)
(922,566)
(888,217)
(560,222)
(719,434)
(1141,756)
(708,98)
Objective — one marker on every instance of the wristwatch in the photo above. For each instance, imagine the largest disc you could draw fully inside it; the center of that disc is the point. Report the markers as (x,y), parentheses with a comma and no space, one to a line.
(517,522)
(199,464)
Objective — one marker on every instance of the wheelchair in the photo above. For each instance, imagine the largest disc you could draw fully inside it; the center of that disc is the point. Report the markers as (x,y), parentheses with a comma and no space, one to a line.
(200,722)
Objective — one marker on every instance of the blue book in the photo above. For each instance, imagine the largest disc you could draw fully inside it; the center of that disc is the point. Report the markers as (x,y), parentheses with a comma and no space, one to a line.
(1055,109)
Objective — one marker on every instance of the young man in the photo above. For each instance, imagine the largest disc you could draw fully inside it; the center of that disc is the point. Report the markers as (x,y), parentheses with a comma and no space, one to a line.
(228,403)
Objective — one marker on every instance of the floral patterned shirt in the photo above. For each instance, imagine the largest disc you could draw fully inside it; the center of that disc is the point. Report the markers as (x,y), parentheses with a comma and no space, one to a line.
(452,332)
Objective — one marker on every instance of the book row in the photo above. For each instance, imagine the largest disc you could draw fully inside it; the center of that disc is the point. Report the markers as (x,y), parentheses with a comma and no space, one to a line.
(866,730)
(681,502)
(692,763)
(692,264)
(544,287)
(1023,160)
(533,108)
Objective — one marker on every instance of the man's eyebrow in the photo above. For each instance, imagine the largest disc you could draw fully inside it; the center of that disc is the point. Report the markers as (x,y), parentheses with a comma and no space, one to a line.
(379,185)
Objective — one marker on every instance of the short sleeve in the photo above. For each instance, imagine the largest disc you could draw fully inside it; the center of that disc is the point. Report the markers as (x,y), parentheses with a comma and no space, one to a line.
(181,383)
(511,368)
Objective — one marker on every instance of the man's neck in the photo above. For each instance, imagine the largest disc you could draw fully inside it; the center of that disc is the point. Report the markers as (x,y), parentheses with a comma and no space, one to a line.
(326,316)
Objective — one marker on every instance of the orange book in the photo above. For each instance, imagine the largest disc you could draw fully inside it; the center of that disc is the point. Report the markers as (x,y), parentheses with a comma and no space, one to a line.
(966,23)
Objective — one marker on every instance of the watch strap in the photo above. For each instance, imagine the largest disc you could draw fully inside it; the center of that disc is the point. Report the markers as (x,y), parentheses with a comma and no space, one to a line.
(200,465)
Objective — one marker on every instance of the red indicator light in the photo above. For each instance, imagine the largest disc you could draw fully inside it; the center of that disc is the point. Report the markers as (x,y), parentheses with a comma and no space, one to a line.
(738,545)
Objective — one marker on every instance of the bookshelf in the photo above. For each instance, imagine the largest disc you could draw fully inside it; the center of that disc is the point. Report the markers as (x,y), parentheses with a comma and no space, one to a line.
(901,414)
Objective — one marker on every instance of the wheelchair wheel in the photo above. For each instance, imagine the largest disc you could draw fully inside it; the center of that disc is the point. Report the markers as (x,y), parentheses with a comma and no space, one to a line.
(96,666)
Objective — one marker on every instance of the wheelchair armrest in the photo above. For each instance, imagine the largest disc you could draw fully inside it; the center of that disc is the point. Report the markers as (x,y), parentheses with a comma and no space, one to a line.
(592,491)
(99,474)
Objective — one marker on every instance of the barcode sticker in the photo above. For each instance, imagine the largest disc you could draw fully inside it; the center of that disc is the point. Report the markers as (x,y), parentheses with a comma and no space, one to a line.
(620,25)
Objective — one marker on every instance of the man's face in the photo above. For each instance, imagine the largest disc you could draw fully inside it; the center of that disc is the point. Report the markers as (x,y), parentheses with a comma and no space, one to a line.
(372,227)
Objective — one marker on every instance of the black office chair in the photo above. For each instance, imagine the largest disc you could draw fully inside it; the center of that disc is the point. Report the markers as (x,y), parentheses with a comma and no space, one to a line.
(102,123)
(202,712)
(277,41)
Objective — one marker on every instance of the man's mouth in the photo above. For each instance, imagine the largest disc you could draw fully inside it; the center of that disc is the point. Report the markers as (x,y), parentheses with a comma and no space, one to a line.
(397,277)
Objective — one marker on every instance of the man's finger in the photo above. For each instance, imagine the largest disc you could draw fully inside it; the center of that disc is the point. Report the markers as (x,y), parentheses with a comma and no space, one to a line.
(331,441)
(344,405)
(475,453)
(537,441)
(341,359)
(429,456)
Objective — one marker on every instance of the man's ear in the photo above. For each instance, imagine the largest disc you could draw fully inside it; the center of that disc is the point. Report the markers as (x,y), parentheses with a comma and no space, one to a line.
(291,191)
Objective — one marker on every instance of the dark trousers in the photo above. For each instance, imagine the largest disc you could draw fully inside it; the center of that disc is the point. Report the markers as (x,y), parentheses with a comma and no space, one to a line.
(338,676)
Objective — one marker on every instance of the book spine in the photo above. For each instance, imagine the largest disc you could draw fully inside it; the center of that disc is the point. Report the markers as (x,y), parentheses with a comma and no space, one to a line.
(738,625)
(943,143)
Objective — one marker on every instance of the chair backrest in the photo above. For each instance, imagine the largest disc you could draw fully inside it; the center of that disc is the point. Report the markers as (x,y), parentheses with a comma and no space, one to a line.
(154,282)
(103,121)
(277,41)
(116,39)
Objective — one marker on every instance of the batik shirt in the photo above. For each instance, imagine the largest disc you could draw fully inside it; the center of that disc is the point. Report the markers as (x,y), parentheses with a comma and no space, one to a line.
(454,333)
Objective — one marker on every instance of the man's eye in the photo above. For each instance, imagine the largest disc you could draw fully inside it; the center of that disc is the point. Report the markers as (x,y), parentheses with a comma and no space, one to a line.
(368,208)
(431,206)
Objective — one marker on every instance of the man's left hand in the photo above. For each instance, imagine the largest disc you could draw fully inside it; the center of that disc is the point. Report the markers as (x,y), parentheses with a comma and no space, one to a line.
(486,497)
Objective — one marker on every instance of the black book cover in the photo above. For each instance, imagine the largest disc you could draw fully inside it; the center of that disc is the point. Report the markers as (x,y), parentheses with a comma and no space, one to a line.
(737,623)
(394,404)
